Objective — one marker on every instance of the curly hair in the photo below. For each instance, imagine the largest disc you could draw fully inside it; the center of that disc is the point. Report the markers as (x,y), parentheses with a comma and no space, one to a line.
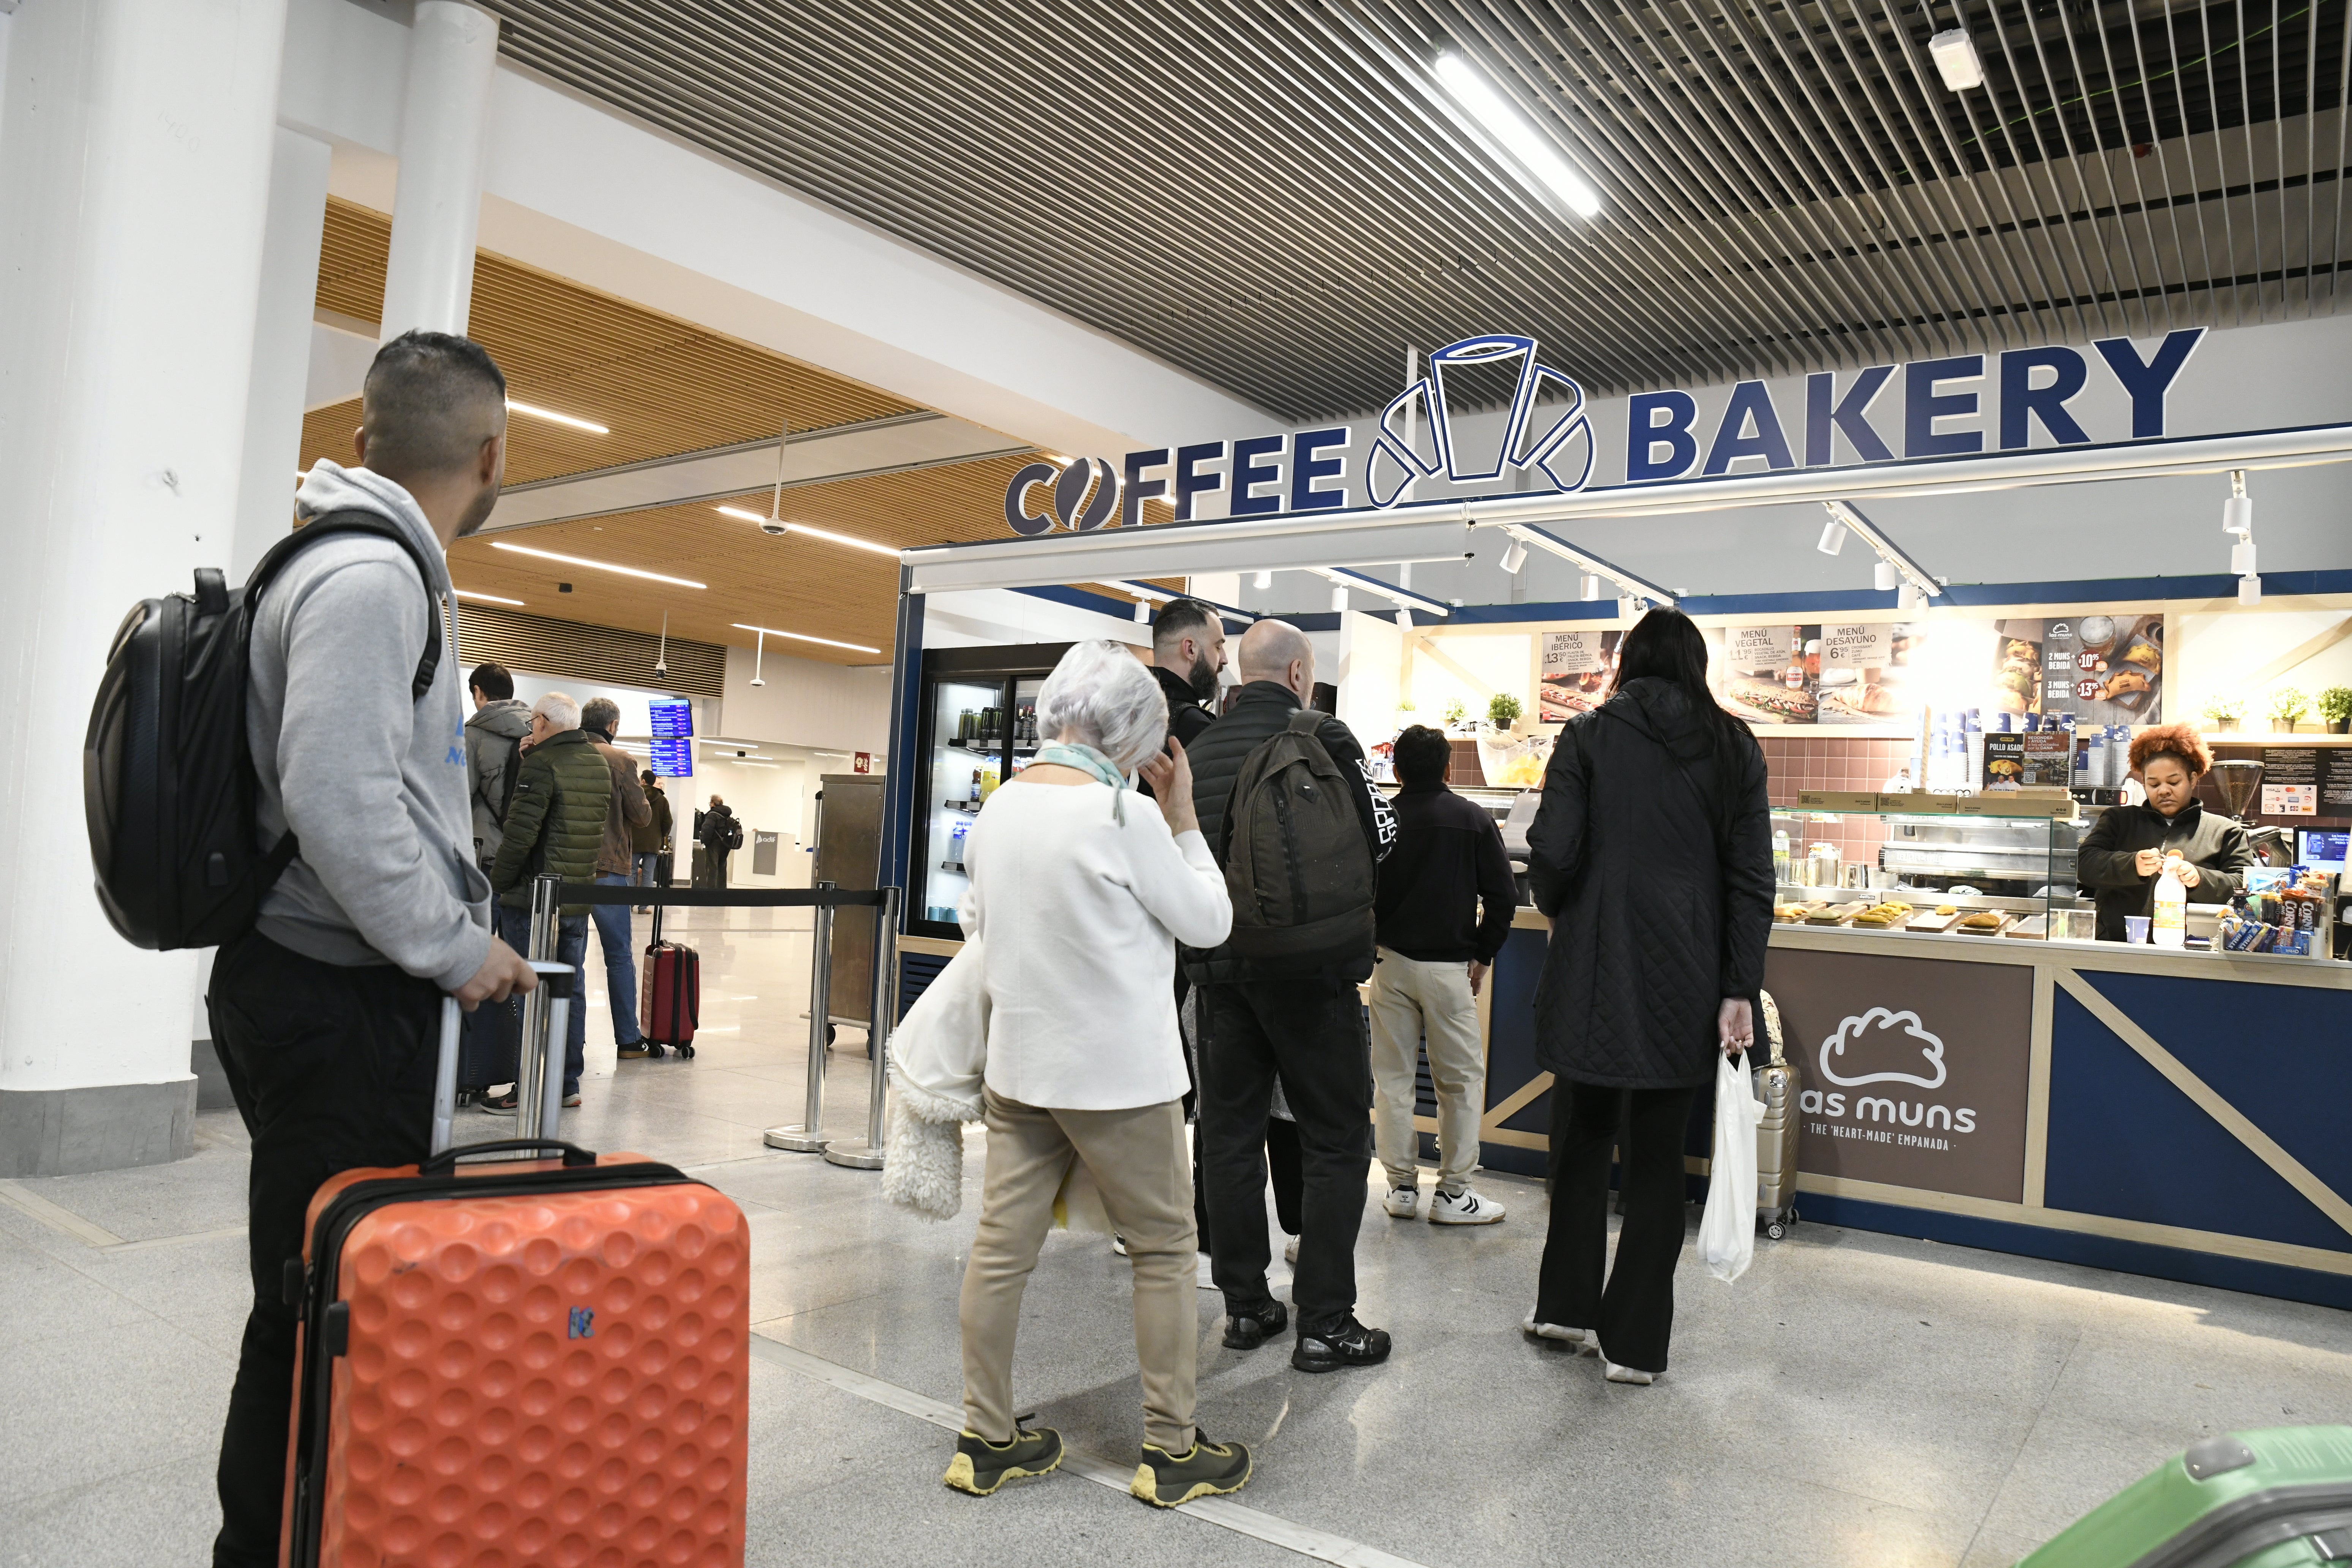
(2176,740)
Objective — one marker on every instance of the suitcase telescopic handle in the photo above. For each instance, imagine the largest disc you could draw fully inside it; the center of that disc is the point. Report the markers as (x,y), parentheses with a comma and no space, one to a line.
(447,1159)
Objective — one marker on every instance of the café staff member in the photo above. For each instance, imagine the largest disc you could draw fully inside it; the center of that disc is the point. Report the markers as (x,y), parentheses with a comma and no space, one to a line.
(2124,853)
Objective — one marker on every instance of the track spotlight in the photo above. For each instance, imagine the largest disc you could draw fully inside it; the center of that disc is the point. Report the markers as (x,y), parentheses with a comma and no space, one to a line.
(1515,555)
(1263,580)
(1591,588)
(1907,596)
(1885,577)
(2237,519)
(1404,620)
(1832,538)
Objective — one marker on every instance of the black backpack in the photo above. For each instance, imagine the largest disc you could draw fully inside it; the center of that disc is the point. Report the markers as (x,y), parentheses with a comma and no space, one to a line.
(167,776)
(1296,865)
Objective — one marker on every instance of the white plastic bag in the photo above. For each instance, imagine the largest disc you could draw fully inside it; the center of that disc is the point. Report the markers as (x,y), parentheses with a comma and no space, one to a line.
(1727,1231)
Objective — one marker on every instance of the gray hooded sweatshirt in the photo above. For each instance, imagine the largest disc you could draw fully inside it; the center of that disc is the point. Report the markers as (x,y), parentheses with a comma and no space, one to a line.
(373,784)
(494,738)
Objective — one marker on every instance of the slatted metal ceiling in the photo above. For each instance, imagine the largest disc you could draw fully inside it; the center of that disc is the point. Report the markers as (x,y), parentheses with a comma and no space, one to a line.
(1266,196)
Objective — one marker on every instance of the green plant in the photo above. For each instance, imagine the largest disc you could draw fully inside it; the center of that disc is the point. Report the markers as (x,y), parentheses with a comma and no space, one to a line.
(2335,704)
(1503,711)
(2288,704)
(2225,709)
(1454,709)
(1406,705)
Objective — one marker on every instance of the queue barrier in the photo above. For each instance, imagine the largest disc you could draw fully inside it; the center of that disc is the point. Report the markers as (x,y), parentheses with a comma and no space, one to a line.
(806,1136)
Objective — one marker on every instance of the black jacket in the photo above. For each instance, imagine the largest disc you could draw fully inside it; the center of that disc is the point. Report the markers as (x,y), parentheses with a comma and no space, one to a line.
(2212,843)
(1448,862)
(717,829)
(1186,717)
(1652,853)
(1260,710)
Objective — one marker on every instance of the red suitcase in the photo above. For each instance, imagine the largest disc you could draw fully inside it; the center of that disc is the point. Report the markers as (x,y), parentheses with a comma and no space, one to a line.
(532,1361)
(669,992)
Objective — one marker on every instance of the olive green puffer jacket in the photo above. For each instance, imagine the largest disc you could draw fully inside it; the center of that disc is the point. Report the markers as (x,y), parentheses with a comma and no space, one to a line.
(555,822)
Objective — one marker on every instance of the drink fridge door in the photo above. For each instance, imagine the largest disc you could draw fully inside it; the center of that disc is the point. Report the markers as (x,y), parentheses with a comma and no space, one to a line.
(970,731)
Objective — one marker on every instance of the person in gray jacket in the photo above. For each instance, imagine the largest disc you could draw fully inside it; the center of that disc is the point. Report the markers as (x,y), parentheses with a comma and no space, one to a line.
(494,738)
(326,1012)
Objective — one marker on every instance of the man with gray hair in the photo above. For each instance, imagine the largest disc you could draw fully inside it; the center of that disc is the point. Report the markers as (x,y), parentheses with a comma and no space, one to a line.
(598,720)
(325,1013)
(562,794)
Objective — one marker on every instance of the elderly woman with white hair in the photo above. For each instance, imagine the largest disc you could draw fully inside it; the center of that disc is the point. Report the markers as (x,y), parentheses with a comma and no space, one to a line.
(1080,888)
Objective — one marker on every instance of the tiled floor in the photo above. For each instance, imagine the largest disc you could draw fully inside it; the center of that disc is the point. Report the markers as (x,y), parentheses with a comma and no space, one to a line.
(1855,1399)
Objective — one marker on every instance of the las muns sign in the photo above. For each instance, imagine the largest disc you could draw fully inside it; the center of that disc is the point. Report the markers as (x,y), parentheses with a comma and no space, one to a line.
(1491,417)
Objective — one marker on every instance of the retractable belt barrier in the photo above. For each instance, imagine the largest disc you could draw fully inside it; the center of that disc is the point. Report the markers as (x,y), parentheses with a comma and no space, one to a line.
(806,1137)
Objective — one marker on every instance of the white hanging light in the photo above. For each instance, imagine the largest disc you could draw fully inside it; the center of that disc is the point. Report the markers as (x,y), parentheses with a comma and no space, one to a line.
(1832,538)
(1591,588)
(2238,520)
(1885,578)
(1515,555)
(1262,580)
(758,652)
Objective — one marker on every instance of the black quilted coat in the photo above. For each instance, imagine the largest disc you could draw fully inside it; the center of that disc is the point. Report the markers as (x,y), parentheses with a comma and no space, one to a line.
(1653,855)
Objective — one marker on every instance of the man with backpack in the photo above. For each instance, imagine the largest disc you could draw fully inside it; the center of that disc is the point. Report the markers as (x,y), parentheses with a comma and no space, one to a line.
(494,738)
(326,1010)
(1289,808)
(721,835)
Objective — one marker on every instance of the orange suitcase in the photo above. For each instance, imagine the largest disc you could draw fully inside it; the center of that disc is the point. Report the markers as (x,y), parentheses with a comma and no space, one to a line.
(527,1361)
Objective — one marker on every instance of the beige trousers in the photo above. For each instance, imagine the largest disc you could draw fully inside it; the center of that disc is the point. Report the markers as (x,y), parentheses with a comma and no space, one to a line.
(1143,1170)
(1411,997)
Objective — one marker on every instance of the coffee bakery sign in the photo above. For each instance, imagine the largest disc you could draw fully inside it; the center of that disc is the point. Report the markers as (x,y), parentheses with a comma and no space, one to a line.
(1490,409)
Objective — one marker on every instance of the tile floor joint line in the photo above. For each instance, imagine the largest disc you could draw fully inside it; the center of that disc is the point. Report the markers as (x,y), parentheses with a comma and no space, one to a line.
(17,1196)
(144,1243)
(1320,1545)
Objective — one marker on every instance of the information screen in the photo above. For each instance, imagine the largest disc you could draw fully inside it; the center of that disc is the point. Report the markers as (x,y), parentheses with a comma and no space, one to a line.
(2321,849)
(673,755)
(673,718)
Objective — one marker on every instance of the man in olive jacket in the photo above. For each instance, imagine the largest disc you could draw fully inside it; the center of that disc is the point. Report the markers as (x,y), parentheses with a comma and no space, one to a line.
(555,822)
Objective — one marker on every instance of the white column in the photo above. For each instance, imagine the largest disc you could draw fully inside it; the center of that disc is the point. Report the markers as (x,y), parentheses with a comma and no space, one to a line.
(134,177)
(453,49)
(288,300)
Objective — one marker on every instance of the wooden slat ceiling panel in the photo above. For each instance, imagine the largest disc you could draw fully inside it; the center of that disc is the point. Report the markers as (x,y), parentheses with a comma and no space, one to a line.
(661,386)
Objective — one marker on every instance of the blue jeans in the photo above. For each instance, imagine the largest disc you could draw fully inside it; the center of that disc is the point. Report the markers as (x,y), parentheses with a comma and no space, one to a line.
(645,868)
(572,948)
(620,963)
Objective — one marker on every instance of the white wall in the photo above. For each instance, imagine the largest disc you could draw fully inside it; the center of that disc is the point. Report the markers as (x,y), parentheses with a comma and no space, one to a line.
(805,703)
(984,617)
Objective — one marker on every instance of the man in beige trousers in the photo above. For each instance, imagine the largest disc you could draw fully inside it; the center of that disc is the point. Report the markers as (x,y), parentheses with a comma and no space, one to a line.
(1445,910)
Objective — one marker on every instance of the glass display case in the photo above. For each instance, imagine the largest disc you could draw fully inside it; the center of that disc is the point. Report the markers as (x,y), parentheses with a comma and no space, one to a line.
(1972,873)
(978,730)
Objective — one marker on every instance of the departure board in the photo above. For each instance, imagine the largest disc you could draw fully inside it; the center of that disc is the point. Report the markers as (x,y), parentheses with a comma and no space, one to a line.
(673,718)
(673,755)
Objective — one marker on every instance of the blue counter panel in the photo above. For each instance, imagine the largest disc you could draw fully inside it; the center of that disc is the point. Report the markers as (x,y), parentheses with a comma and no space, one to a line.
(2278,1053)
(2091,1251)
(2126,1144)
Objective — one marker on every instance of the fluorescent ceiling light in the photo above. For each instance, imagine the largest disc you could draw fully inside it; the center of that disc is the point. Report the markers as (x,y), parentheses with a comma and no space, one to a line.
(799,636)
(1534,150)
(1955,54)
(589,426)
(486,599)
(1143,591)
(825,534)
(596,565)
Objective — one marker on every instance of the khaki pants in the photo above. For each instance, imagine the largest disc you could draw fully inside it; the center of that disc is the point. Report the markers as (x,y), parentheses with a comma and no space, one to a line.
(1410,996)
(1142,1168)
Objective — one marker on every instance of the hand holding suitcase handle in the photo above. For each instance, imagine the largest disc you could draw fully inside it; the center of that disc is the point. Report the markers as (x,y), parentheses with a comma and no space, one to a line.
(447,1159)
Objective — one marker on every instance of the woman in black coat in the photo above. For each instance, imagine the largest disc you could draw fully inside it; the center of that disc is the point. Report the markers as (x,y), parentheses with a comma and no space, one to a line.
(1652,854)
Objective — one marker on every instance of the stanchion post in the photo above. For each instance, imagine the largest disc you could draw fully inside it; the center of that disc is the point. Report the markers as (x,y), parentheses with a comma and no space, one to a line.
(808,1136)
(866,1154)
(531,1065)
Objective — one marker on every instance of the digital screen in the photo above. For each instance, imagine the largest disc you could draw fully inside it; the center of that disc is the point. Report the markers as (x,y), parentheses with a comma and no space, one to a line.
(673,718)
(2321,849)
(673,755)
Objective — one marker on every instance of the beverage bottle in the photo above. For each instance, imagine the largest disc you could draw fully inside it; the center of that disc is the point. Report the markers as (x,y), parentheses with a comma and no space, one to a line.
(1780,855)
(975,785)
(1794,676)
(2171,927)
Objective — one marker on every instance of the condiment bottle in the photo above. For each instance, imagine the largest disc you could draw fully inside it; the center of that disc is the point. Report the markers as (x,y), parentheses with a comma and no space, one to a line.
(2171,924)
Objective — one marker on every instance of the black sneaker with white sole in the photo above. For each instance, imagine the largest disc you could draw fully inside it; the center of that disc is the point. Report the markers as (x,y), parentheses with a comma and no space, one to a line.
(1245,1330)
(1165,1480)
(1344,1344)
(980,1466)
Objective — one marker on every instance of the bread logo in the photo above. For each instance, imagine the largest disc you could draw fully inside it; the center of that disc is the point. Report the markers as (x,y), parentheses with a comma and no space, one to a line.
(1878,1028)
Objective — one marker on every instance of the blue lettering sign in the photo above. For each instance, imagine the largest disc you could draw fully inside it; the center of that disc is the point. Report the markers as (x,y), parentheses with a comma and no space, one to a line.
(2019,397)
(1828,415)
(1249,474)
(1923,406)
(1139,488)
(1189,480)
(1306,468)
(1017,500)
(2148,384)
(1749,400)
(1645,433)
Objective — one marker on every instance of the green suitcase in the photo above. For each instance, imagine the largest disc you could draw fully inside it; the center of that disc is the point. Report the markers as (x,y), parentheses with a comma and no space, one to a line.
(2280,1498)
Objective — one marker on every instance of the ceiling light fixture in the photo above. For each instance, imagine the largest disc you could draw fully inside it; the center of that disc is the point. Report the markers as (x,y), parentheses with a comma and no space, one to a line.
(486,599)
(597,566)
(1534,150)
(758,652)
(1913,577)
(1591,564)
(2237,519)
(1343,578)
(661,651)
(1832,538)
(1955,54)
(799,636)
(1515,555)
(774,525)
(1262,580)
(590,425)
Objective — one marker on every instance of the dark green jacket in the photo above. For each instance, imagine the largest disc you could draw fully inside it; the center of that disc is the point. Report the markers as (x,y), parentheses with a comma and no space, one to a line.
(562,794)
(2214,844)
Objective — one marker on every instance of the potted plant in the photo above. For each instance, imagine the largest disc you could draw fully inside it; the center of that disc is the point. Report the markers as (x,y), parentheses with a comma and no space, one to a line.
(2225,711)
(2288,705)
(2335,707)
(1455,711)
(1503,711)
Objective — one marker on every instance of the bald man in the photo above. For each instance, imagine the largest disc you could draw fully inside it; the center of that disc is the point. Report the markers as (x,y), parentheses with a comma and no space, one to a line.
(1261,1021)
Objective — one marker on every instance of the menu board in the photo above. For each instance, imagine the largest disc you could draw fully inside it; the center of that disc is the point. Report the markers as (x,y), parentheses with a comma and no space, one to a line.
(1576,666)
(1772,674)
(2336,782)
(2102,668)
(1864,668)
(2290,781)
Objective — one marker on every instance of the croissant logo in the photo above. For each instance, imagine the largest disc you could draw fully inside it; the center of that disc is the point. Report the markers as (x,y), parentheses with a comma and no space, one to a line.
(1879,1033)
(1466,375)
(1084,495)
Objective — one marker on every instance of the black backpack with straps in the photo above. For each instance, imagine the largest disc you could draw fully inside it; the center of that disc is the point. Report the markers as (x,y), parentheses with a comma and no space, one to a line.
(168,782)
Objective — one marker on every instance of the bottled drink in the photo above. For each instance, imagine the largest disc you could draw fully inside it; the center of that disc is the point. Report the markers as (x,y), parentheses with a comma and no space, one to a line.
(975,783)
(2171,927)
(1780,855)
(1794,676)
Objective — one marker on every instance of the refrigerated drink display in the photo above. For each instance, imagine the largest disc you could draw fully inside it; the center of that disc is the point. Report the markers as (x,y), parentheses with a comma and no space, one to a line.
(979,708)
(958,759)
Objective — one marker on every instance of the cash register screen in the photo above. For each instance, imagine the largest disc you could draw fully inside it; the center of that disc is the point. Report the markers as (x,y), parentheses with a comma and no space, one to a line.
(2321,849)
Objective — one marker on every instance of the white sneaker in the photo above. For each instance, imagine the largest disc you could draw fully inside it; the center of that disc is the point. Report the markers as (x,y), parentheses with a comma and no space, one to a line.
(1615,1373)
(1464,1207)
(1402,1203)
(1290,1251)
(1580,1337)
